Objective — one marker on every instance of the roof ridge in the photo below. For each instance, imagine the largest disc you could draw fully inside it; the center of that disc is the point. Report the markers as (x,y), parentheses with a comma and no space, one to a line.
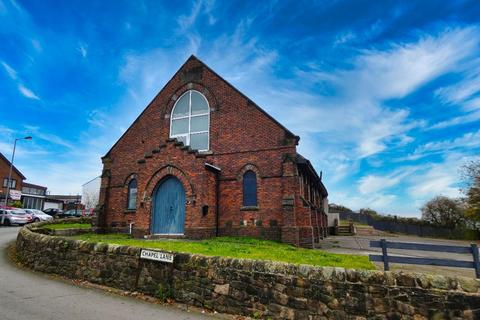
(13,166)
(193,57)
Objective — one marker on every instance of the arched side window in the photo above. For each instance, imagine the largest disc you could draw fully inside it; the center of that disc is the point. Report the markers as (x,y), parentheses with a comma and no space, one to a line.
(132,195)
(249,189)
(190,120)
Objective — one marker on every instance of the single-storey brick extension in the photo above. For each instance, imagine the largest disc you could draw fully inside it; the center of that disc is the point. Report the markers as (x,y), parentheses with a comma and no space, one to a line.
(203,160)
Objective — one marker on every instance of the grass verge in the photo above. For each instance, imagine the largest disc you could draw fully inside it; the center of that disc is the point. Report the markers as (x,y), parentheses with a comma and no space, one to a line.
(240,247)
(60,226)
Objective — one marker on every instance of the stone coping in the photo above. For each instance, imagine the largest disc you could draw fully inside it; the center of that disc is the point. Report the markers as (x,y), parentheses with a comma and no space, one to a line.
(330,274)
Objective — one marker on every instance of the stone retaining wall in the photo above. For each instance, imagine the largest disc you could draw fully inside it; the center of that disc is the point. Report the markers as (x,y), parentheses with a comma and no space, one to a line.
(259,289)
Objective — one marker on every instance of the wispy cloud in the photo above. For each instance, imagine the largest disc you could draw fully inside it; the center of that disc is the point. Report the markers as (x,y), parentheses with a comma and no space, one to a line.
(199,7)
(82,49)
(377,76)
(36,45)
(42,134)
(468,140)
(10,71)
(374,183)
(27,92)
(404,67)
(463,119)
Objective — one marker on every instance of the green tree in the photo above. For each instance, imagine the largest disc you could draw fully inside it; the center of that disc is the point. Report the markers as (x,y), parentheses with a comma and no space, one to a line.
(368,211)
(444,211)
(16,204)
(471,189)
(332,207)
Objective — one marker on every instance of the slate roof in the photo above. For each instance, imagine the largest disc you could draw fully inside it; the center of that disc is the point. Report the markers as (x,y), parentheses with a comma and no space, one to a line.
(304,162)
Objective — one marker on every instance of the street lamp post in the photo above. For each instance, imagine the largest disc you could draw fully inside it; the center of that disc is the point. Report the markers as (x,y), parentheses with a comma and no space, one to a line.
(9,181)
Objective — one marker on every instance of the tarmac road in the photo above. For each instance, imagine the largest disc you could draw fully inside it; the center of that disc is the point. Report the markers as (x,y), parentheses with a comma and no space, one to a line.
(27,295)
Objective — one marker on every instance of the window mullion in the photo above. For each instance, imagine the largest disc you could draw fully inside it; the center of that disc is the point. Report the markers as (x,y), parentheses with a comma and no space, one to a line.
(189,116)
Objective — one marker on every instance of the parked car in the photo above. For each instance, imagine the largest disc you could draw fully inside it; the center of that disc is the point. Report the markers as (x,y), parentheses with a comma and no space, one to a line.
(16,216)
(38,215)
(59,214)
(53,211)
(73,213)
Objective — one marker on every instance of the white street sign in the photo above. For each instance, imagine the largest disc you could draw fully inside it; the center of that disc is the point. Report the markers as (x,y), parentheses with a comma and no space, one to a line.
(15,194)
(156,256)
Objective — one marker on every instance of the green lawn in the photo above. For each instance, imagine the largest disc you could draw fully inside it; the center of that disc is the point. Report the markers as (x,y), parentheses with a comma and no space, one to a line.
(240,247)
(60,226)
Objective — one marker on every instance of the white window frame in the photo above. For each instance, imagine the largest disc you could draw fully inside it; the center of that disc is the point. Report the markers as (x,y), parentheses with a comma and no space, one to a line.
(189,117)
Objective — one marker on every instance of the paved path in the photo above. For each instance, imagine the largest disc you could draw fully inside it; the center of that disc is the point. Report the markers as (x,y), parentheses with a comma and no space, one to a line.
(361,245)
(26,295)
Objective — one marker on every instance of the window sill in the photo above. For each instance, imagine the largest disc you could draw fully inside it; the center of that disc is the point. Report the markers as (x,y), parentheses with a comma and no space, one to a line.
(249,208)
(129,211)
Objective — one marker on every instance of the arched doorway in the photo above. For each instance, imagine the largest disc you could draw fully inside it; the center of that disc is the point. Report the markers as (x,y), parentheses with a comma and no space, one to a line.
(169,207)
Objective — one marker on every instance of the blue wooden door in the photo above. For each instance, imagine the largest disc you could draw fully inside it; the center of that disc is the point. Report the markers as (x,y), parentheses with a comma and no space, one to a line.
(169,207)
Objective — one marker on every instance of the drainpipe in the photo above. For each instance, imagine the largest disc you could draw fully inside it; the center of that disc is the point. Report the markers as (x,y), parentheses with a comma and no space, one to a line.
(131,227)
(217,171)
(217,202)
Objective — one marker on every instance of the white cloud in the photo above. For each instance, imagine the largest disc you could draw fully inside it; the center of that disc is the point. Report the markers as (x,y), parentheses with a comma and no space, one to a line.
(98,118)
(337,132)
(374,183)
(436,181)
(62,171)
(386,129)
(378,201)
(400,70)
(10,71)
(472,104)
(36,45)
(463,119)
(468,140)
(357,113)
(382,201)
(82,49)
(27,92)
(199,7)
(344,37)
(460,92)
(38,133)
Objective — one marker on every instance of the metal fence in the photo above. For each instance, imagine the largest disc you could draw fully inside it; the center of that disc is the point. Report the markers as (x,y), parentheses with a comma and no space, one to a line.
(390,224)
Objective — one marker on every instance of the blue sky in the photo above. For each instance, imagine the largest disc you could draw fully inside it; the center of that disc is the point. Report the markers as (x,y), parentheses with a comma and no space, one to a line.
(384,94)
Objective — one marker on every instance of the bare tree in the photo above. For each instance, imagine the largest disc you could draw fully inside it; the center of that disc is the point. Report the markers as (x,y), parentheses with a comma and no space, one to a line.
(90,199)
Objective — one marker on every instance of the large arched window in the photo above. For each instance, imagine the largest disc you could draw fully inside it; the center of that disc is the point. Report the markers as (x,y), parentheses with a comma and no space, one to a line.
(249,189)
(132,195)
(190,120)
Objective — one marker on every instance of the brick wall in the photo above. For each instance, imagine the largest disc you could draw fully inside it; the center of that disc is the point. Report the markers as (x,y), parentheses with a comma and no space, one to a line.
(4,170)
(240,135)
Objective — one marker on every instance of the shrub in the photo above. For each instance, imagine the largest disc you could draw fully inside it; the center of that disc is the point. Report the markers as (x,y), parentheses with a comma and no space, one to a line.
(164,292)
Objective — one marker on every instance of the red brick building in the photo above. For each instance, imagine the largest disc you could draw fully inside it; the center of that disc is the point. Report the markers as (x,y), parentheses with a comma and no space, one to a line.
(16,181)
(204,160)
